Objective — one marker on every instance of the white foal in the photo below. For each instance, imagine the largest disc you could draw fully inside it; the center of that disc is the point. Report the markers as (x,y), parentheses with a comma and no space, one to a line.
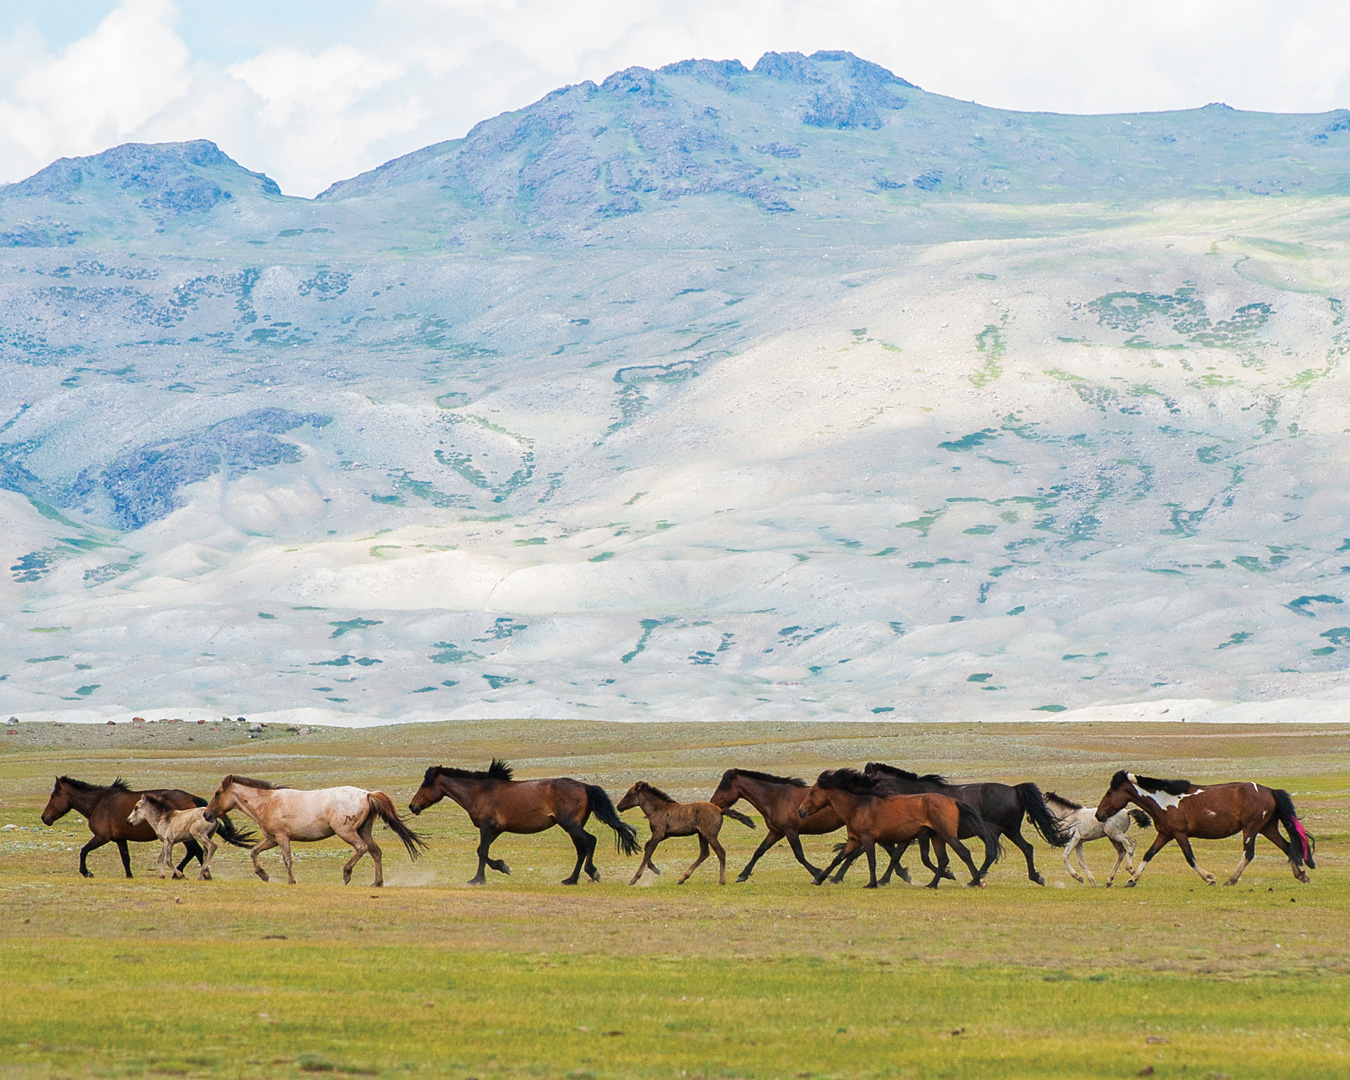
(176,827)
(1081,825)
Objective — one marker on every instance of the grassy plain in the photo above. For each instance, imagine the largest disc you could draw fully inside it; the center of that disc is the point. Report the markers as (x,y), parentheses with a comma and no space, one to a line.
(524,978)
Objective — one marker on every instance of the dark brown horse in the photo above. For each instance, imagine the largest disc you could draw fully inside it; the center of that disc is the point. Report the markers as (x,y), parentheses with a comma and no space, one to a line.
(107,809)
(1004,806)
(778,798)
(1181,811)
(666,818)
(871,815)
(496,804)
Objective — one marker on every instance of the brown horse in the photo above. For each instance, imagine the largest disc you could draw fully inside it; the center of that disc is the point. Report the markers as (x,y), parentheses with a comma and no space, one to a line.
(667,818)
(871,815)
(778,798)
(107,809)
(496,803)
(1181,810)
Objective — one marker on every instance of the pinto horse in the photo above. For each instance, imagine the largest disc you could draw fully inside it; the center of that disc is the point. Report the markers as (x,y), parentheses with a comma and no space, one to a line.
(1181,810)
(107,808)
(667,818)
(285,814)
(778,798)
(872,815)
(497,803)
(1004,806)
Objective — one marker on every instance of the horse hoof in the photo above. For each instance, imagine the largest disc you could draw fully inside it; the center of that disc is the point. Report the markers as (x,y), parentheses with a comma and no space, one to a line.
(1130,884)
(871,885)
(1038,879)
(568,881)
(742,879)
(476,881)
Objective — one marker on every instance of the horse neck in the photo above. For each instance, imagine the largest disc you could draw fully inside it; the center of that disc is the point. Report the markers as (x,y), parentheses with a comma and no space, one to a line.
(461,789)
(758,793)
(84,801)
(650,805)
(843,803)
(252,801)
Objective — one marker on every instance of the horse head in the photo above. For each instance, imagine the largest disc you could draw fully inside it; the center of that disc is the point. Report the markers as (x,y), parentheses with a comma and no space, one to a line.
(139,812)
(58,806)
(632,797)
(1119,795)
(429,793)
(814,801)
(224,800)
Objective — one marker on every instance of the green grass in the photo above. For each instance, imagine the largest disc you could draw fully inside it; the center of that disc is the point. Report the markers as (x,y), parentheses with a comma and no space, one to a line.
(775,978)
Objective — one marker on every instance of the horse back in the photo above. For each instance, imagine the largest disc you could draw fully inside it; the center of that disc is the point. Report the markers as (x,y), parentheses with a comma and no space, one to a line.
(533,805)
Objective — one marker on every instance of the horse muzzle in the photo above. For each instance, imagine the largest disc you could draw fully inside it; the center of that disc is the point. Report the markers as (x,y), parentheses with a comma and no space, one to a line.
(414,809)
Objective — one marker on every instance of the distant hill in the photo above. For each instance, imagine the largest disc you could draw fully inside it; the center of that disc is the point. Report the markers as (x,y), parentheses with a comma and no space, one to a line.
(706,391)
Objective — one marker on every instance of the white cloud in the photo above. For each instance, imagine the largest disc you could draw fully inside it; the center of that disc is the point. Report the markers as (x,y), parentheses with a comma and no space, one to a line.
(310,110)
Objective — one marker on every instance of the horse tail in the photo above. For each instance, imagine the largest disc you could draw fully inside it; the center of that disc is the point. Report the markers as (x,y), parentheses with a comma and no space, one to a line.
(1032,802)
(383,807)
(742,818)
(625,836)
(1301,844)
(970,819)
(1141,819)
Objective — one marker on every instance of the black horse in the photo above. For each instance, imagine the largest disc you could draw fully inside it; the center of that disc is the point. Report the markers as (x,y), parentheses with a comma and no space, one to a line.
(1004,806)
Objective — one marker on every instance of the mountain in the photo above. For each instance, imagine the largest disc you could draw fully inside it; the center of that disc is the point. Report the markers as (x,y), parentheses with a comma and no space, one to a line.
(708,391)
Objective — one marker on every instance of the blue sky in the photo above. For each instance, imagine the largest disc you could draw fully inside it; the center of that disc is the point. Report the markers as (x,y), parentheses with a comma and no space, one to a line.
(313,91)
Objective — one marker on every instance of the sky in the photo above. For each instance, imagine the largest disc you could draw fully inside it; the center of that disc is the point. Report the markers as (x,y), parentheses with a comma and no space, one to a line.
(315,91)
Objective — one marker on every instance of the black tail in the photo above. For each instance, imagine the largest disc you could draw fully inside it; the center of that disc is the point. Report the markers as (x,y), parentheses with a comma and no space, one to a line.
(971,820)
(382,805)
(1141,819)
(625,836)
(226,831)
(1032,802)
(742,818)
(1301,843)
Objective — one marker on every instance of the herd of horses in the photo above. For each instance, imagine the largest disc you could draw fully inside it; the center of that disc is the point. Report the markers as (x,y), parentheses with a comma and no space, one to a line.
(880,806)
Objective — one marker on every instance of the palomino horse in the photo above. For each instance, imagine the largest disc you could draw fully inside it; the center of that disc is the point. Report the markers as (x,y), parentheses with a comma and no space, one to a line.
(176,827)
(285,814)
(667,818)
(1181,810)
(107,808)
(872,815)
(1081,825)
(496,804)
(1002,805)
(778,798)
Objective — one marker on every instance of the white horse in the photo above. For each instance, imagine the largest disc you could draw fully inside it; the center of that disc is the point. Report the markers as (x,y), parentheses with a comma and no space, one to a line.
(1080,824)
(285,814)
(176,827)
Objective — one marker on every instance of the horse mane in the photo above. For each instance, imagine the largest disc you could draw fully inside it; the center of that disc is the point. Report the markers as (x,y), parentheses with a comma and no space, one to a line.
(79,785)
(263,785)
(905,774)
(1171,787)
(849,780)
(769,778)
(652,789)
(497,770)
(1060,800)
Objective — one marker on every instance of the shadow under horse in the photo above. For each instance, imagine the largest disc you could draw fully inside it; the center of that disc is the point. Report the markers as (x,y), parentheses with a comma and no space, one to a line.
(107,806)
(496,803)
(1004,806)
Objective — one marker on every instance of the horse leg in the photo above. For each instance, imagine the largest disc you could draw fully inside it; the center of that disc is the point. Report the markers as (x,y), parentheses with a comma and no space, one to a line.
(486,834)
(647,852)
(721,854)
(767,843)
(1248,853)
(95,842)
(1271,833)
(262,845)
(1074,846)
(1184,842)
(166,858)
(963,852)
(849,848)
(360,841)
(591,871)
(940,871)
(1020,842)
(210,854)
(702,854)
(126,856)
(1128,841)
(192,851)
(928,861)
(844,860)
(578,842)
(870,846)
(895,851)
(284,842)
(795,843)
(1159,842)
